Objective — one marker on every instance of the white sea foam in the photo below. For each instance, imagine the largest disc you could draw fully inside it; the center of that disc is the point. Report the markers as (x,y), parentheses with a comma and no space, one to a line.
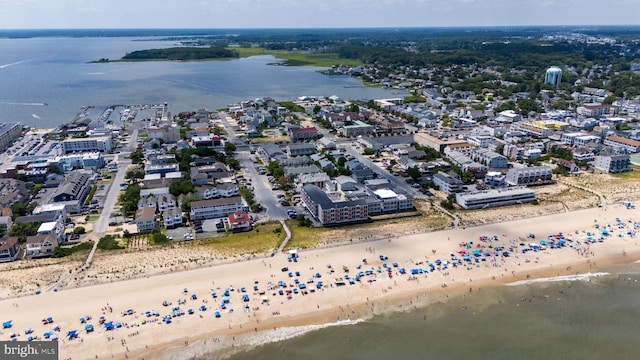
(286,333)
(578,277)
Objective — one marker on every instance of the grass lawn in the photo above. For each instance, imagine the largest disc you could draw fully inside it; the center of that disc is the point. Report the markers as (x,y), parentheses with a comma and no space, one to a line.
(304,237)
(264,238)
(92,217)
(635,174)
(297,58)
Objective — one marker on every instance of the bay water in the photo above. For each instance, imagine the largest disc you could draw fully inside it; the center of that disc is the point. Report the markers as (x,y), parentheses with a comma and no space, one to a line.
(596,319)
(56,71)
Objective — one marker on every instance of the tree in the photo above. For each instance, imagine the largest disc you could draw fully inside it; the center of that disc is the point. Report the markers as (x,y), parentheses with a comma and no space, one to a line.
(180,187)
(609,99)
(467,177)
(79,230)
(137,156)
(229,148)
(316,109)
(368,151)
(413,172)
(55,169)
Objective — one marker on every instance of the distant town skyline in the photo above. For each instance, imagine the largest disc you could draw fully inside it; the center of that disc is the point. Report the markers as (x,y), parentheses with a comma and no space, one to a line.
(89,14)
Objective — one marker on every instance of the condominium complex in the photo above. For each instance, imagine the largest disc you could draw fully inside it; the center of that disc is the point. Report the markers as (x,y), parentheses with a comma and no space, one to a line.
(496,197)
(102,144)
(534,175)
(9,132)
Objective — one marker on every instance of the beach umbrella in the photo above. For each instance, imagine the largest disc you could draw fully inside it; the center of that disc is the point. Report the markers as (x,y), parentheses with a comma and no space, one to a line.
(7,324)
(28,331)
(88,327)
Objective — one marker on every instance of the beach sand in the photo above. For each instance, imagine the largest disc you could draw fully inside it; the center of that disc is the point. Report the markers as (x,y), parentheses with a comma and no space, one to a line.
(194,335)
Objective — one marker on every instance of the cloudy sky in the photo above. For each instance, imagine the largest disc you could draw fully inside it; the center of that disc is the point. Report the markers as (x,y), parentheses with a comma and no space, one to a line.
(44,14)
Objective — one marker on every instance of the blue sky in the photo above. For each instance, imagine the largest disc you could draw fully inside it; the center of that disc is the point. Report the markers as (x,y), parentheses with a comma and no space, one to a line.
(44,14)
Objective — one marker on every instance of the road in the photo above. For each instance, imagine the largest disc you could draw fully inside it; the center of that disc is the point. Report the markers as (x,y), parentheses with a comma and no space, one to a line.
(261,189)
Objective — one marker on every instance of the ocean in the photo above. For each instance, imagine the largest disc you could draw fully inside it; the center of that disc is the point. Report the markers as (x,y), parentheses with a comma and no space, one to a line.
(597,319)
(55,71)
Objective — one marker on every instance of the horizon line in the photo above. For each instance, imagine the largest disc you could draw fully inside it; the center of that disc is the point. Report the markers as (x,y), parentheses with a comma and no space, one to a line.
(326,28)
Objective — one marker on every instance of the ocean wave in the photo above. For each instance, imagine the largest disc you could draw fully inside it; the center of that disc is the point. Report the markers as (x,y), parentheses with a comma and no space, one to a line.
(287,333)
(578,277)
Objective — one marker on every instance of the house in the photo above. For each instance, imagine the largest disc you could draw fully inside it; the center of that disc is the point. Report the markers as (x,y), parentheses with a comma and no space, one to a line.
(567,164)
(495,179)
(447,183)
(148,201)
(53,227)
(228,189)
(346,183)
(168,134)
(612,163)
(9,249)
(167,202)
(317,179)
(217,208)
(325,144)
(145,219)
(40,246)
(358,171)
(206,192)
(172,218)
(5,220)
(239,221)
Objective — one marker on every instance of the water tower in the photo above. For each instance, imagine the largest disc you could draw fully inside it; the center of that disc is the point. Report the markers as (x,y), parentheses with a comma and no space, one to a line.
(553,76)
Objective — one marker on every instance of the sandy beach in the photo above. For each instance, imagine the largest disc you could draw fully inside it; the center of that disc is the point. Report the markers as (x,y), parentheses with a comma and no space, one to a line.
(270,316)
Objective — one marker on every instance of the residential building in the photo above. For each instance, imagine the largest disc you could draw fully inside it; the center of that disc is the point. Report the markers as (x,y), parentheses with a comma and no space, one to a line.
(582,154)
(358,128)
(436,143)
(303,133)
(217,208)
(391,127)
(156,192)
(597,110)
(325,144)
(447,183)
(612,163)
(206,192)
(496,197)
(85,160)
(271,152)
(615,141)
(102,144)
(9,132)
(534,175)
(228,189)
(168,134)
(328,212)
(148,201)
(146,219)
(317,179)
(480,141)
(76,186)
(172,218)
(392,202)
(9,249)
(300,149)
(489,158)
(161,169)
(358,171)
(53,227)
(40,246)
(239,221)
(495,179)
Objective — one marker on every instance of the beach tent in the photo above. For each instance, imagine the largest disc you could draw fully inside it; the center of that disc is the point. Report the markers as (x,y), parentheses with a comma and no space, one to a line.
(203,308)
(72,334)
(194,297)
(7,324)
(28,331)
(225,299)
(48,334)
(216,314)
(214,295)
(88,327)
(108,325)
(190,311)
